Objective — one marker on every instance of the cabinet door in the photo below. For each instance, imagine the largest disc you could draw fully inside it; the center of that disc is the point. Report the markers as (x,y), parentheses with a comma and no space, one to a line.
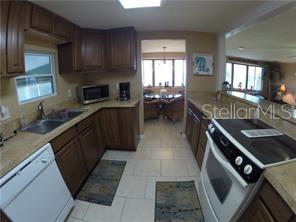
(15,38)
(258,212)
(123,44)
(189,122)
(42,19)
(3,32)
(195,134)
(62,27)
(202,143)
(77,44)
(91,148)
(109,124)
(127,128)
(70,59)
(93,50)
(71,165)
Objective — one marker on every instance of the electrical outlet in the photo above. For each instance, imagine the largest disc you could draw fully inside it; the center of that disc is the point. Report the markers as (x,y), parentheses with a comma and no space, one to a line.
(4,113)
(69,93)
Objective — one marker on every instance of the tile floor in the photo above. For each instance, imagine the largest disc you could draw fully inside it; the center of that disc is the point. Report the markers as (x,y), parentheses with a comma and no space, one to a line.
(163,155)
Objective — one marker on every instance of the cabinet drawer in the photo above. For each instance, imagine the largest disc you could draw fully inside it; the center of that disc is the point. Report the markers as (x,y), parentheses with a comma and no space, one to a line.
(60,141)
(274,202)
(86,123)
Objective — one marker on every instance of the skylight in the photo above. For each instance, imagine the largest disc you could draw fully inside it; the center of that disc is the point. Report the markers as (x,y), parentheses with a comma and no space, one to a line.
(128,4)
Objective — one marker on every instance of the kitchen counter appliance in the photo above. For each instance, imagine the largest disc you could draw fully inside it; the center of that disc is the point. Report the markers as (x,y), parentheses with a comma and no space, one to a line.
(92,93)
(237,152)
(35,190)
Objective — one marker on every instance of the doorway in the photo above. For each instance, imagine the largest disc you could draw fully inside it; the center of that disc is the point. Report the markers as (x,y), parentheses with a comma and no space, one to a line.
(164,81)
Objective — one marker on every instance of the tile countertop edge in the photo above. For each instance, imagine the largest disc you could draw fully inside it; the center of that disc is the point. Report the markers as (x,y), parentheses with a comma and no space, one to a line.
(277,175)
(38,140)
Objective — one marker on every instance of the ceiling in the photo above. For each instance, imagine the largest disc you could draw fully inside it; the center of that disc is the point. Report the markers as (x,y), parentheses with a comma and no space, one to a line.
(273,39)
(173,15)
(149,46)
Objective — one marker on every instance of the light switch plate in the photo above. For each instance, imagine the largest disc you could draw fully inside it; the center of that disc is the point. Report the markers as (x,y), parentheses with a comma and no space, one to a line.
(4,113)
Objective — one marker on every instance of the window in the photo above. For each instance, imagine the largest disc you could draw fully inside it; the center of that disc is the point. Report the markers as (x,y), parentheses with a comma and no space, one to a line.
(244,77)
(156,72)
(39,79)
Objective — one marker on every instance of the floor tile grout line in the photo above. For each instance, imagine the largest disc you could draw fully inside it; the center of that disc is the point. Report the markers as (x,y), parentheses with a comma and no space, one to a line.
(120,218)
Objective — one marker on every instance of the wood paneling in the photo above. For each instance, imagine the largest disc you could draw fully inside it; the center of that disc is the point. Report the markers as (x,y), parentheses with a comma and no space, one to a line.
(93,49)
(3,32)
(15,38)
(71,165)
(42,19)
(82,125)
(127,128)
(60,141)
(123,50)
(62,27)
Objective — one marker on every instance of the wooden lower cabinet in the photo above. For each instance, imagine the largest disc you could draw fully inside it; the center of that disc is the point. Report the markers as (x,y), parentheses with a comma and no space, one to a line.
(109,124)
(71,165)
(195,134)
(268,206)
(91,148)
(189,122)
(201,145)
(120,127)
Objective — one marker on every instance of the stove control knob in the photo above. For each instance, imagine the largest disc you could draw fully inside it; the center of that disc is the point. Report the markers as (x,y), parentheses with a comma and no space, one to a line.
(238,160)
(212,130)
(210,126)
(248,169)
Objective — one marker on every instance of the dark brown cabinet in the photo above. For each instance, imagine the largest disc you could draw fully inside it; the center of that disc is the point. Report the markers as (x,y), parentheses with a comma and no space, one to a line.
(121,127)
(122,46)
(189,123)
(71,165)
(128,129)
(109,122)
(201,145)
(3,32)
(62,27)
(268,206)
(91,148)
(195,134)
(15,38)
(42,19)
(70,58)
(93,49)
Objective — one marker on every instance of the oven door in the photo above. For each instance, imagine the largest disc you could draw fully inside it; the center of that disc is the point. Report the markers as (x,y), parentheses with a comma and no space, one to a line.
(224,189)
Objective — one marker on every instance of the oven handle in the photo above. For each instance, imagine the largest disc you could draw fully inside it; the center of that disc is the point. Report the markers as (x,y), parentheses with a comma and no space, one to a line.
(221,159)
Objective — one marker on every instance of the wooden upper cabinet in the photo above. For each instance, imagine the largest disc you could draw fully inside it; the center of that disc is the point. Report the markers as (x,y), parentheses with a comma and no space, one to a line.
(42,19)
(15,38)
(93,49)
(3,32)
(70,58)
(62,27)
(122,46)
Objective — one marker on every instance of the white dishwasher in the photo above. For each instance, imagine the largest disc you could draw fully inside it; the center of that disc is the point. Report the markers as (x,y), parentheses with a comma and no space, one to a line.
(34,191)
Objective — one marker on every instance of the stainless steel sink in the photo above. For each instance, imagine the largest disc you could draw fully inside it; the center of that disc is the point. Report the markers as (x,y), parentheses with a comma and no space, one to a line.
(52,121)
(43,126)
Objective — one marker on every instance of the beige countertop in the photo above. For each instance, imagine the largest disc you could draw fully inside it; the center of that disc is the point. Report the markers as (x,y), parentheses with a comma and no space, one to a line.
(282,177)
(24,144)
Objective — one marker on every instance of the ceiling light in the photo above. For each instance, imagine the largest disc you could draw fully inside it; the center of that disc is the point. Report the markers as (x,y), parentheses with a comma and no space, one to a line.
(241,48)
(128,4)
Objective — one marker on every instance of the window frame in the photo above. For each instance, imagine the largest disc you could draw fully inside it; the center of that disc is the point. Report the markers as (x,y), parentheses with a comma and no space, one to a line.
(247,76)
(173,71)
(52,56)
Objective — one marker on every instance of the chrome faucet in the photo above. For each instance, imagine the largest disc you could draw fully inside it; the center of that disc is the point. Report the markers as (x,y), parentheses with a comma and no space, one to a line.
(41,110)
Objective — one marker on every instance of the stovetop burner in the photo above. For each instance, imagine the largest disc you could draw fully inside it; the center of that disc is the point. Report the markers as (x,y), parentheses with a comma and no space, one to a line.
(268,150)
